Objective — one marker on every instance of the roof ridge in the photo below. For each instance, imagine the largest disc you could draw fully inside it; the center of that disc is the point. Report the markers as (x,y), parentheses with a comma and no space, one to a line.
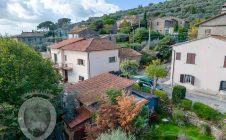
(91,40)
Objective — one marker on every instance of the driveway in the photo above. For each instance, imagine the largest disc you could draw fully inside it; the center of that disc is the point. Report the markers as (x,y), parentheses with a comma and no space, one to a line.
(214,102)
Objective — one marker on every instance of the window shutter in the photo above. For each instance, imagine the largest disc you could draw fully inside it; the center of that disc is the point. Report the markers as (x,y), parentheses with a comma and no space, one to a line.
(193,80)
(193,58)
(225,62)
(188,58)
(182,78)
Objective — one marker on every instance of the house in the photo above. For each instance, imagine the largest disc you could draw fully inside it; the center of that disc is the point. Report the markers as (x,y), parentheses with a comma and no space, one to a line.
(129,54)
(200,64)
(165,25)
(132,19)
(78,59)
(91,91)
(213,26)
(82,32)
(75,129)
(30,38)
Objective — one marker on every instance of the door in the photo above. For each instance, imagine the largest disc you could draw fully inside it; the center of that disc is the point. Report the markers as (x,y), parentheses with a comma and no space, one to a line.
(65,76)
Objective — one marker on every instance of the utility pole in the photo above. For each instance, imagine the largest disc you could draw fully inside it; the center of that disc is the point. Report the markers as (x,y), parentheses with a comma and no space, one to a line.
(149,39)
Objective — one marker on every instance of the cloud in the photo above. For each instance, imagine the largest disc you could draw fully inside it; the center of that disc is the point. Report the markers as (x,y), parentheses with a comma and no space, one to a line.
(27,14)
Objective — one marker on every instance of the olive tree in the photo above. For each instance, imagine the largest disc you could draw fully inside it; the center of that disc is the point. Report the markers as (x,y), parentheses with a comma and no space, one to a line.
(155,71)
(129,67)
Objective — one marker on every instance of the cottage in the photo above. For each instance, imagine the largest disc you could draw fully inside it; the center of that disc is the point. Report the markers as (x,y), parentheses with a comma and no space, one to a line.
(129,54)
(78,59)
(200,64)
(165,25)
(133,20)
(213,26)
(91,91)
(82,32)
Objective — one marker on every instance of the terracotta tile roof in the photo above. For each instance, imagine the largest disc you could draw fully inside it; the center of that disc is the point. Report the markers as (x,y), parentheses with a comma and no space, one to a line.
(128,52)
(89,91)
(64,43)
(83,115)
(85,45)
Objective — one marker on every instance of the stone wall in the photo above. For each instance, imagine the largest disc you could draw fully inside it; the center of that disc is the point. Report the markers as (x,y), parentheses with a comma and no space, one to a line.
(217,132)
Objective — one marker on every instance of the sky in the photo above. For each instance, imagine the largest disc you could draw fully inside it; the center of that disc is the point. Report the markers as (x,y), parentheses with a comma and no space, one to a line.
(24,15)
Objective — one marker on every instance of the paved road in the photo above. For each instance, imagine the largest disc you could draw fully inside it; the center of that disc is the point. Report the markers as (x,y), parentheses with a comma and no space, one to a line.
(214,102)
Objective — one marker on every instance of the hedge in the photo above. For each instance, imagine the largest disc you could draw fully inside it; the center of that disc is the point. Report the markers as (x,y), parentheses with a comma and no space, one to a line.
(141,88)
(186,104)
(179,93)
(162,95)
(206,112)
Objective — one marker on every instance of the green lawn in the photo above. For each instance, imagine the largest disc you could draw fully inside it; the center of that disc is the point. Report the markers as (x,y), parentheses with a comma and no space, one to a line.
(167,130)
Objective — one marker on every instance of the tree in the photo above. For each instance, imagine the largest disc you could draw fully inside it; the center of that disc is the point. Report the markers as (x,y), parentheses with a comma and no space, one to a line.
(144,21)
(109,20)
(141,34)
(156,70)
(97,25)
(182,34)
(129,67)
(164,48)
(63,21)
(47,25)
(125,27)
(22,70)
(113,94)
(116,135)
(176,27)
(70,105)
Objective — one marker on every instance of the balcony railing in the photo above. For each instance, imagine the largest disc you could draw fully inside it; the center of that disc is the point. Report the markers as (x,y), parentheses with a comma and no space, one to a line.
(64,66)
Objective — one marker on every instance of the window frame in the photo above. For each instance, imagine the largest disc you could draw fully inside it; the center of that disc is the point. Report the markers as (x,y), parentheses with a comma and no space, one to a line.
(110,59)
(81,78)
(191,57)
(81,62)
(224,66)
(178,55)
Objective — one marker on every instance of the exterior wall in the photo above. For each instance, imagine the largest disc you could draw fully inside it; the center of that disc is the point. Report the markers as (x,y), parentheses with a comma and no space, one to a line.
(215,30)
(99,62)
(78,70)
(208,68)
(217,26)
(73,36)
(158,28)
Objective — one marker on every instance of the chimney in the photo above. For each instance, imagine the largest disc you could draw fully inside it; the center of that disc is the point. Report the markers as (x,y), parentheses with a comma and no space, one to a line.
(223,9)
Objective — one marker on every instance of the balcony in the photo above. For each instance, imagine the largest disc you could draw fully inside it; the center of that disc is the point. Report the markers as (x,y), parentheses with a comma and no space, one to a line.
(64,66)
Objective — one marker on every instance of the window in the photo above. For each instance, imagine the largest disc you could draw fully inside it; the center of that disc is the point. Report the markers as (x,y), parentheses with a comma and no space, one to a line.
(81,62)
(223,85)
(81,78)
(225,62)
(112,59)
(208,32)
(55,58)
(178,56)
(184,78)
(157,23)
(65,57)
(190,58)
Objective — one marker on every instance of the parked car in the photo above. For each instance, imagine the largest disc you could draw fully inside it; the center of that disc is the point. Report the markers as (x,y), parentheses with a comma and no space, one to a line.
(146,81)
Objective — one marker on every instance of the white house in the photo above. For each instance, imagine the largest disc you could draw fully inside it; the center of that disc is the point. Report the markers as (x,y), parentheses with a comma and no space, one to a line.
(80,59)
(200,64)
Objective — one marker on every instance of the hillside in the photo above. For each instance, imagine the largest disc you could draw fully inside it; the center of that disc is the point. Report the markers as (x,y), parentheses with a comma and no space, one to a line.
(186,9)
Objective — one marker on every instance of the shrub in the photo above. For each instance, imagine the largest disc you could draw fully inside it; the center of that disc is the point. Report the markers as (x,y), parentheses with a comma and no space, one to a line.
(179,93)
(141,88)
(178,116)
(112,94)
(186,104)
(162,94)
(206,112)
(116,135)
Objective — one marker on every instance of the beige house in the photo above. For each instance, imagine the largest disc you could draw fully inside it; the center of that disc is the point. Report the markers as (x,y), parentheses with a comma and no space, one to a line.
(200,64)
(133,19)
(165,25)
(213,26)
(129,54)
